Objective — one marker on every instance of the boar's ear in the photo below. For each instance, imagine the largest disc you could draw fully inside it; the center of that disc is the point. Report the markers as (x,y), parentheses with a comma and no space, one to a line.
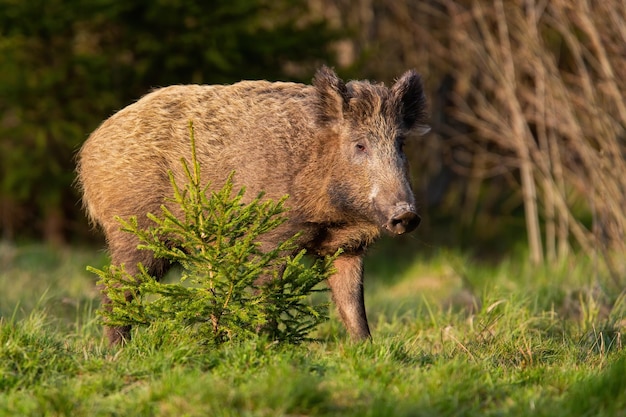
(408,102)
(332,96)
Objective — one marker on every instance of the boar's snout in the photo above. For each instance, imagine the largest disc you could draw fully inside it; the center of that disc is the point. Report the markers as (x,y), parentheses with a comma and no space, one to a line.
(403,220)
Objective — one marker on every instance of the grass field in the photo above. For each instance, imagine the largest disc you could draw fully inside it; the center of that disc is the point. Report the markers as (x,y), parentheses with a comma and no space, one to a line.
(452,337)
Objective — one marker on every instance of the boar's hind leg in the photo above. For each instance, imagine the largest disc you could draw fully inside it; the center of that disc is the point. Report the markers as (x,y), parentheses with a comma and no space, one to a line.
(129,256)
(346,286)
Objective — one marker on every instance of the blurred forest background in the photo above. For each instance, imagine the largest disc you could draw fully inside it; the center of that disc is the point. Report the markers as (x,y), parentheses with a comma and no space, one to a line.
(526,99)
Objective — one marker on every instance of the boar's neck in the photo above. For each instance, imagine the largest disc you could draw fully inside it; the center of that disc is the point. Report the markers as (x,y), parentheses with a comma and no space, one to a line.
(327,227)
(314,180)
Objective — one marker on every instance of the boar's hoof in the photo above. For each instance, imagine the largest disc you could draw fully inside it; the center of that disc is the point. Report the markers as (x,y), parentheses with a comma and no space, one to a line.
(403,222)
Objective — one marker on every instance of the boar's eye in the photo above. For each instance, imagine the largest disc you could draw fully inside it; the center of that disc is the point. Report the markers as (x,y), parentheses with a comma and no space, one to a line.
(361,148)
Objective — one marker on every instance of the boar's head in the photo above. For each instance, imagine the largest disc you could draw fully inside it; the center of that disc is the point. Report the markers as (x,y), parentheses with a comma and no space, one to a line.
(368,125)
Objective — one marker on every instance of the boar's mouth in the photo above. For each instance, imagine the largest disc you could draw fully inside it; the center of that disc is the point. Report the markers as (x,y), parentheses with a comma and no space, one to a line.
(403,219)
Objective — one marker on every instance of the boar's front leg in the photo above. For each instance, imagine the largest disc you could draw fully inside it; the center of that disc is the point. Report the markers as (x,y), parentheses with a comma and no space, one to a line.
(346,286)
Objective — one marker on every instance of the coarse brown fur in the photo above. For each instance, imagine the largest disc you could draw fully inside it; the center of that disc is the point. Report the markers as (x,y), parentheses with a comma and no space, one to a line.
(335,148)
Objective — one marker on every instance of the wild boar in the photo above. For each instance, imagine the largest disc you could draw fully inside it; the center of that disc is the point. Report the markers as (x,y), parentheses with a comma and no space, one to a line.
(335,148)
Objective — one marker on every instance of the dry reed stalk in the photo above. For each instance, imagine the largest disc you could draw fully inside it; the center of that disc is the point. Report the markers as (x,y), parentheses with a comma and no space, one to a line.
(567,134)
